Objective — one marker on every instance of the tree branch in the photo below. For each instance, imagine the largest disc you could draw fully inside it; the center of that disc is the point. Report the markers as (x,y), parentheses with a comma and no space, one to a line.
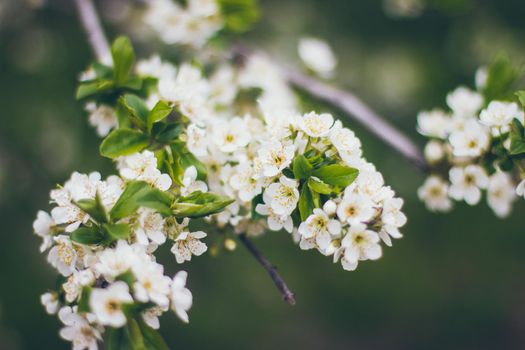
(287,294)
(352,106)
(93,29)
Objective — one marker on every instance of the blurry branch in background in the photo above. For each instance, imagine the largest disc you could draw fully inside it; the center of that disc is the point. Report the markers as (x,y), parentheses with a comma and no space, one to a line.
(352,106)
(288,295)
(99,44)
(94,32)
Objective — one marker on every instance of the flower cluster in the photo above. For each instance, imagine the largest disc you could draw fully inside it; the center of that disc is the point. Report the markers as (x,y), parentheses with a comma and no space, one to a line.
(190,24)
(226,144)
(101,237)
(475,146)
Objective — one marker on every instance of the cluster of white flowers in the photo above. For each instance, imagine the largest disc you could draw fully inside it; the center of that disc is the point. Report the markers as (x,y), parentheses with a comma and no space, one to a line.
(248,147)
(118,273)
(461,147)
(190,24)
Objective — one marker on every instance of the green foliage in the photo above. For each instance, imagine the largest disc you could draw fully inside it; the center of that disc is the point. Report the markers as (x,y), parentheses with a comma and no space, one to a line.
(256,200)
(94,208)
(336,174)
(500,79)
(116,231)
(87,235)
(306,203)
(124,141)
(123,58)
(319,186)
(200,204)
(83,303)
(183,159)
(239,15)
(517,138)
(137,110)
(301,167)
(160,111)
(140,194)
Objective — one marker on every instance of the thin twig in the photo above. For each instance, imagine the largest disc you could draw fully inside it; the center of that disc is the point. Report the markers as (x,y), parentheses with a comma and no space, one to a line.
(287,294)
(94,32)
(352,106)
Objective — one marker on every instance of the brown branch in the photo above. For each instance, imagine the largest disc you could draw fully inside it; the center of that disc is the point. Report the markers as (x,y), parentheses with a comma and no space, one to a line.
(93,29)
(287,294)
(352,106)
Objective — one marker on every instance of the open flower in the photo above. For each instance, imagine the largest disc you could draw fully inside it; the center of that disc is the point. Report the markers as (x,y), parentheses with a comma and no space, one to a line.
(316,125)
(282,196)
(181,297)
(355,208)
(274,157)
(187,244)
(107,304)
(501,194)
(320,227)
(78,330)
(500,114)
(230,135)
(190,183)
(63,256)
(434,193)
(358,244)
(467,182)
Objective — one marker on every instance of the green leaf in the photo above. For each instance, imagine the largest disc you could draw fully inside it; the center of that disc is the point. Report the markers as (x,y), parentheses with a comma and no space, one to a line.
(135,335)
(121,142)
(256,200)
(87,235)
(239,15)
(301,167)
(500,79)
(184,159)
(170,133)
(517,138)
(336,174)
(521,97)
(152,338)
(94,208)
(136,108)
(199,204)
(158,113)
(123,58)
(306,203)
(89,89)
(319,186)
(140,194)
(83,303)
(117,231)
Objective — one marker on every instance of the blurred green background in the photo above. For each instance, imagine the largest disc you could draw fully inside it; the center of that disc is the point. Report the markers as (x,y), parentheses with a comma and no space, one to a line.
(454,282)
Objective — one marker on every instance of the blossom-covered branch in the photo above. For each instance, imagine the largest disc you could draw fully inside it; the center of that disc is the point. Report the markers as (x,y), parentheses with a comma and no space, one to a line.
(350,104)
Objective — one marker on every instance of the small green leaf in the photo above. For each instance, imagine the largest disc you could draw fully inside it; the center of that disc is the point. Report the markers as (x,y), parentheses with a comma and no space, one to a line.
(87,235)
(306,203)
(117,231)
(89,89)
(199,204)
(135,335)
(301,167)
(336,175)
(140,194)
(94,208)
(83,303)
(319,186)
(152,338)
(517,138)
(121,142)
(136,108)
(123,58)
(521,97)
(158,113)
(170,133)
(256,200)
(500,79)
(186,159)
(102,71)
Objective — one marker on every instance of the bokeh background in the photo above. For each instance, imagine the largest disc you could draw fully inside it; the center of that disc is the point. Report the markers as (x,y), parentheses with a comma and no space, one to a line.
(455,281)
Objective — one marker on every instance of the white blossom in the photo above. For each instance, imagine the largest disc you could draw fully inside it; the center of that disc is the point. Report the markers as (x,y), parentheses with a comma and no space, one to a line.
(78,330)
(471,141)
(231,135)
(501,194)
(275,222)
(434,123)
(317,55)
(316,125)
(50,302)
(181,297)
(434,193)
(466,183)
(500,114)
(355,209)
(150,227)
(107,304)
(274,156)
(63,256)
(102,117)
(43,227)
(282,196)
(143,167)
(320,227)
(187,244)
(190,183)
(358,244)
(464,102)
